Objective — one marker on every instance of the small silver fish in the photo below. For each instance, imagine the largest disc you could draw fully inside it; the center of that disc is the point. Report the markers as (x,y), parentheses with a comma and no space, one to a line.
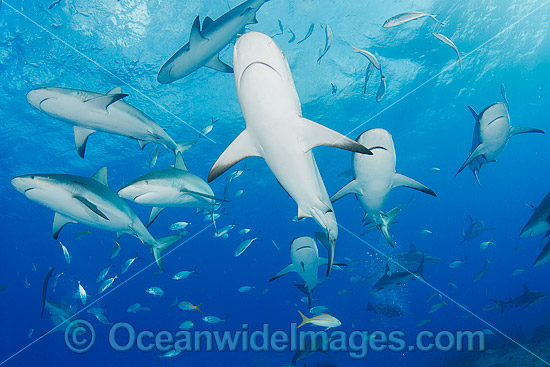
(246,288)
(407,17)
(106,284)
(186,325)
(328,42)
(367,76)
(456,264)
(238,193)
(309,32)
(212,319)
(82,293)
(65,253)
(128,263)
(178,226)
(102,274)
(171,353)
(244,231)
(184,274)
(154,158)
(155,291)
(244,245)
(116,251)
(450,43)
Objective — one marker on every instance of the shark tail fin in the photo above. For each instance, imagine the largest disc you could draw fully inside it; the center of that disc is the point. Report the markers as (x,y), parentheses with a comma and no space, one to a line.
(500,304)
(182,146)
(420,269)
(329,245)
(162,244)
(307,292)
(305,320)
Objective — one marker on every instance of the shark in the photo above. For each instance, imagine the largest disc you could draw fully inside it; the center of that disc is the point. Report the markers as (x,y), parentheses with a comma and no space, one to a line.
(391,280)
(90,112)
(414,257)
(77,199)
(277,132)
(476,228)
(207,41)
(491,134)
(375,176)
(305,261)
(538,224)
(61,316)
(171,187)
(526,299)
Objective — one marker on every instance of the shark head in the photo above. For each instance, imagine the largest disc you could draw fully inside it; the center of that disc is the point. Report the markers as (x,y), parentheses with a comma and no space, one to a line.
(34,186)
(49,99)
(377,138)
(536,226)
(256,50)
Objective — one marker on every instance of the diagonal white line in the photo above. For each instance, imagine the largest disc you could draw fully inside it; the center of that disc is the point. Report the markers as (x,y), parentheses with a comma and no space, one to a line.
(459,305)
(172,249)
(138,91)
(464,57)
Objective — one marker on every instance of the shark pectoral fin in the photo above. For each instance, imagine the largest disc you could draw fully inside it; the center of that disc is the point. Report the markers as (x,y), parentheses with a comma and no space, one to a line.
(474,113)
(196,35)
(104,101)
(81,135)
(242,147)
(516,130)
(162,244)
(115,90)
(401,180)
(478,151)
(101,176)
(196,193)
(91,206)
(217,64)
(351,188)
(313,135)
(59,221)
(206,22)
(288,269)
(154,214)
(179,163)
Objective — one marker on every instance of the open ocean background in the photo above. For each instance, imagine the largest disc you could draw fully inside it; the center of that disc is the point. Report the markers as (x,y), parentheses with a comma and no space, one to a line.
(425,109)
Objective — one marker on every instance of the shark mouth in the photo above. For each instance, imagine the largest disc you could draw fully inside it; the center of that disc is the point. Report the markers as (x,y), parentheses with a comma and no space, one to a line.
(301,248)
(42,101)
(257,63)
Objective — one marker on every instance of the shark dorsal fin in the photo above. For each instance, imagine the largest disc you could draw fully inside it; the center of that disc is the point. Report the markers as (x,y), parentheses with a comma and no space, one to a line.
(471,219)
(115,90)
(412,250)
(178,163)
(206,22)
(104,101)
(525,289)
(196,35)
(101,176)
(474,113)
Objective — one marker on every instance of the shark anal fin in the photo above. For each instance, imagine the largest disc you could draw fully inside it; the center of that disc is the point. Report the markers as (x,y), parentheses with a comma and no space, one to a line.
(313,135)
(154,214)
(59,221)
(104,101)
(91,206)
(101,176)
(351,188)
(516,130)
(242,147)
(81,135)
(162,244)
(401,180)
(288,269)
(217,64)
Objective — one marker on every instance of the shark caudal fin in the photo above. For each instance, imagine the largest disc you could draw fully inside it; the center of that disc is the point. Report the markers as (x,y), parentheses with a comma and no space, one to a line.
(500,304)
(385,221)
(420,269)
(307,292)
(329,245)
(182,146)
(305,320)
(162,244)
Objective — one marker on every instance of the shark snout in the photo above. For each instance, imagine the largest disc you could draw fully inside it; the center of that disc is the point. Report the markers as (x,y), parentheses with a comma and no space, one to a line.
(36,96)
(23,183)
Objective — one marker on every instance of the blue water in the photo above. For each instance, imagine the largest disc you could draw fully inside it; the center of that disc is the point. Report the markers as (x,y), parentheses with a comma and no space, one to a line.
(96,46)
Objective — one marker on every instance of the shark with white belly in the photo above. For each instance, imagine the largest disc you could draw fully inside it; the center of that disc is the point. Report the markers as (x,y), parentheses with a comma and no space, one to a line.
(375,176)
(77,199)
(90,112)
(171,187)
(207,41)
(276,131)
(491,134)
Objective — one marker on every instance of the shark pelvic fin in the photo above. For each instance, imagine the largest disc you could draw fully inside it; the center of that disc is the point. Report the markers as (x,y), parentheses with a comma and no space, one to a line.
(154,214)
(59,221)
(242,147)
(81,135)
(217,64)
(478,151)
(101,176)
(162,244)
(351,188)
(313,135)
(401,180)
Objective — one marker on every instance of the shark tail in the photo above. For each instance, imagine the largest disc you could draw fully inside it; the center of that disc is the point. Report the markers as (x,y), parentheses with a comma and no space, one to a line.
(305,320)
(182,146)
(418,272)
(500,304)
(161,244)
(307,292)
(370,307)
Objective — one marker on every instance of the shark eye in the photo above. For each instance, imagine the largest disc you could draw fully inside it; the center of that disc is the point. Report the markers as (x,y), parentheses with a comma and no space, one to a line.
(32,177)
